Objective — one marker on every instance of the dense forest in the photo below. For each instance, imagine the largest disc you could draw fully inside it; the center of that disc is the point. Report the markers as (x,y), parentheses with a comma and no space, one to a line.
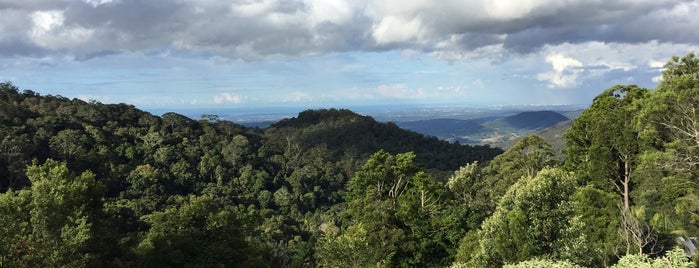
(85,184)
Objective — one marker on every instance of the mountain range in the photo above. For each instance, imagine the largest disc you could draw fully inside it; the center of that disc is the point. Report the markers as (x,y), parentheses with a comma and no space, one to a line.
(492,130)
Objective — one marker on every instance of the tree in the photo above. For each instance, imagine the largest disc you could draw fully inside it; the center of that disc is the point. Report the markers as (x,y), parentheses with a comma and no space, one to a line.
(467,203)
(636,234)
(675,258)
(401,209)
(201,231)
(537,263)
(54,219)
(372,195)
(603,143)
(236,151)
(349,249)
(526,158)
(667,169)
(598,211)
(384,175)
(533,219)
(68,144)
(465,184)
(15,229)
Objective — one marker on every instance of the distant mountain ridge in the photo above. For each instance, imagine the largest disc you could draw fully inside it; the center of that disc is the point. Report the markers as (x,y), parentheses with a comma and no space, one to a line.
(486,130)
(534,120)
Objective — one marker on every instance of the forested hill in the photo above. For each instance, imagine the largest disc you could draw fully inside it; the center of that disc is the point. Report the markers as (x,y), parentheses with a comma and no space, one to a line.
(94,135)
(351,134)
(121,178)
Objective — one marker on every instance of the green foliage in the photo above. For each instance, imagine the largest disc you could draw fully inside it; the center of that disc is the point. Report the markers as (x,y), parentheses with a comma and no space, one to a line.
(525,158)
(598,212)
(200,232)
(332,127)
(52,222)
(350,249)
(675,258)
(669,161)
(172,191)
(468,247)
(604,138)
(533,219)
(402,211)
(537,263)
(465,183)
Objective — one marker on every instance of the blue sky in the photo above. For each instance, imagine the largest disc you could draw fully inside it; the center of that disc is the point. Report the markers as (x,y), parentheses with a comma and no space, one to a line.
(339,53)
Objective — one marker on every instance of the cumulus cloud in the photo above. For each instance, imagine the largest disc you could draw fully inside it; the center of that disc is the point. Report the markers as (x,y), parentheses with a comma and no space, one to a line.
(228,98)
(254,29)
(565,71)
(570,65)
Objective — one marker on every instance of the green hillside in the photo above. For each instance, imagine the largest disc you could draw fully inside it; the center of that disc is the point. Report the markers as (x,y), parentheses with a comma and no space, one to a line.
(349,133)
(554,135)
(488,130)
(121,187)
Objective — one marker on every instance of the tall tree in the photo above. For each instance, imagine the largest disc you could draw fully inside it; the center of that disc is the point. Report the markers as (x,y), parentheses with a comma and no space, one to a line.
(603,143)
(669,163)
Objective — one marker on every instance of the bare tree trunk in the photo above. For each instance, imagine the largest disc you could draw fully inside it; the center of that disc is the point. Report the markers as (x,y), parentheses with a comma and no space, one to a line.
(623,184)
(636,233)
(626,182)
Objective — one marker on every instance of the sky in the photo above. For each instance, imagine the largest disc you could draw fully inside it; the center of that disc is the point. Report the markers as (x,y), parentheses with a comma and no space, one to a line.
(176,54)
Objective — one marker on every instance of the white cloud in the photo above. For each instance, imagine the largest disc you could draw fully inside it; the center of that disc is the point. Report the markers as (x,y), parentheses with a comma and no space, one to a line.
(227,98)
(656,64)
(560,62)
(50,32)
(97,3)
(333,11)
(612,61)
(492,51)
(400,91)
(478,84)
(508,10)
(45,21)
(396,30)
(564,73)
